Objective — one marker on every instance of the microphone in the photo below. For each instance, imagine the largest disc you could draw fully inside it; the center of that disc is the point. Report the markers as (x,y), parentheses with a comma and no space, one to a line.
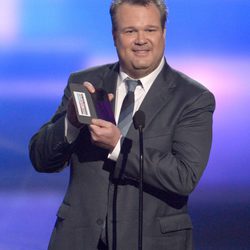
(139,123)
(139,119)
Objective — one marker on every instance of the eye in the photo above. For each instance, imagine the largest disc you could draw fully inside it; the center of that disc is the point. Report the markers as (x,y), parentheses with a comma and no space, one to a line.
(150,30)
(129,31)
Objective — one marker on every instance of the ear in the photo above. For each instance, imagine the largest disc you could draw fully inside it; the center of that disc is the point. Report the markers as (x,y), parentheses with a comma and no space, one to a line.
(164,32)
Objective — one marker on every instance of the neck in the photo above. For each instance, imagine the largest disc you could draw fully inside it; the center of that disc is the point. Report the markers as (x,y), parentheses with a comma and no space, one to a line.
(140,73)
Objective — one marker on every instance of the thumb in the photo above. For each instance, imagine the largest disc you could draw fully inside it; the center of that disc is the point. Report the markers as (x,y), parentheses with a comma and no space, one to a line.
(89,87)
(110,96)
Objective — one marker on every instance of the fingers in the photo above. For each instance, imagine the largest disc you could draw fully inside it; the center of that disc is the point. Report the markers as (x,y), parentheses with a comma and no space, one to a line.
(111,97)
(89,87)
(98,128)
(104,134)
(100,123)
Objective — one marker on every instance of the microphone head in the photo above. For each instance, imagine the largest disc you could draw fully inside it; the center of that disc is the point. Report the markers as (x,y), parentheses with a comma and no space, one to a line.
(139,119)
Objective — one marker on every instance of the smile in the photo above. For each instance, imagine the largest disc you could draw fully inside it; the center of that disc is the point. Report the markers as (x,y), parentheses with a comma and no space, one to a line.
(141,52)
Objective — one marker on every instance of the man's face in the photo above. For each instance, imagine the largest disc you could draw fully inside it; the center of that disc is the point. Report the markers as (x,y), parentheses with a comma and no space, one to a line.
(139,39)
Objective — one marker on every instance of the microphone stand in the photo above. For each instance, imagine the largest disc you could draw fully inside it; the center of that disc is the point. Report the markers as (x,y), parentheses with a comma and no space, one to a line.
(139,123)
(141,165)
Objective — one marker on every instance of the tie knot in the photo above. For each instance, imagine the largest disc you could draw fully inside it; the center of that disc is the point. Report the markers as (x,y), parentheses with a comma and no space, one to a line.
(131,84)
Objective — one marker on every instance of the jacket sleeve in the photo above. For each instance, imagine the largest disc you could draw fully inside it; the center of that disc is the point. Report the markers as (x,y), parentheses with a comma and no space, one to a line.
(49,150)
(179,169)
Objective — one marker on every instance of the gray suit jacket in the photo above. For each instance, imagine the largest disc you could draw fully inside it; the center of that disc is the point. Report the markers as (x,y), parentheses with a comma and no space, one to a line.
(177,140)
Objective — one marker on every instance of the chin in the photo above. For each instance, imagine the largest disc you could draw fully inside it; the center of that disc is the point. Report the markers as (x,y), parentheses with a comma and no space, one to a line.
(141,65)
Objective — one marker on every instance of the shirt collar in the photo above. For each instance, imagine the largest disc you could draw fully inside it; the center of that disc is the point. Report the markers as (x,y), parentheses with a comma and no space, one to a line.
(146,81)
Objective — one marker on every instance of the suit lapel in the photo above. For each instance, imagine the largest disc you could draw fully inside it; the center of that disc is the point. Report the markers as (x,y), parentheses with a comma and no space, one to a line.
(110,80)
(157,96)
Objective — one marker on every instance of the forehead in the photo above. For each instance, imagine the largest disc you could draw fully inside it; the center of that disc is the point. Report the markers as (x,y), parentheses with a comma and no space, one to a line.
(132,15)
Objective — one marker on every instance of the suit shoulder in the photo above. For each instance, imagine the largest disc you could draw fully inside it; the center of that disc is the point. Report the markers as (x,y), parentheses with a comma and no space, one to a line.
(188,85)
(92,73)
(188,90)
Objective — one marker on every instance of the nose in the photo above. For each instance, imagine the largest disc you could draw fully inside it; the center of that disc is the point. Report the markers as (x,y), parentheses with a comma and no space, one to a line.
(141,38)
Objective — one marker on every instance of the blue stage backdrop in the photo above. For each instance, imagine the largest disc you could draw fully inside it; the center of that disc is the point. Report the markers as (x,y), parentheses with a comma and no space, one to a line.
(43,41)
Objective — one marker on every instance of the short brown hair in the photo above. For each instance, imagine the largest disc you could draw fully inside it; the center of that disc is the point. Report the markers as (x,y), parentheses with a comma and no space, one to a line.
(160,4)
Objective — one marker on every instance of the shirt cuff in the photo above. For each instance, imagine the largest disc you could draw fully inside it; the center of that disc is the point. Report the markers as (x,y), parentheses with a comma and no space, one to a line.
(71,132)
(116,151)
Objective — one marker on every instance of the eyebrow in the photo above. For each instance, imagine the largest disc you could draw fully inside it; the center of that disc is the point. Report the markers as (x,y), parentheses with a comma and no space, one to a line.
(145,27)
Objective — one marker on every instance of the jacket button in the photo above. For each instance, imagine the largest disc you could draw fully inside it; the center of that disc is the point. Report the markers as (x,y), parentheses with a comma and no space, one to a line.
(99,222)
(58,146)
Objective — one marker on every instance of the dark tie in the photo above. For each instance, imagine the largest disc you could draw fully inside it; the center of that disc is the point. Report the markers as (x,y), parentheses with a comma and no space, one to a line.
(126,114)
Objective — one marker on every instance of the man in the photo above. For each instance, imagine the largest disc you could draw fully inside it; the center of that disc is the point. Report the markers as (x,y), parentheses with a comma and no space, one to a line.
(100,208)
